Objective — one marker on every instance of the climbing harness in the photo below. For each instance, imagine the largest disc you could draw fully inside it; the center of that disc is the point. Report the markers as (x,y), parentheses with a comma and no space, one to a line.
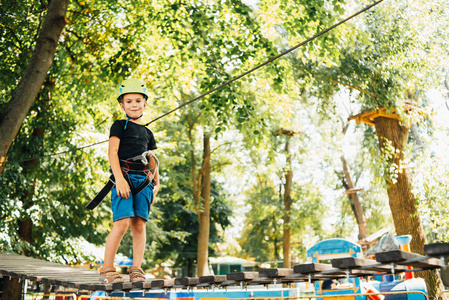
(144,164)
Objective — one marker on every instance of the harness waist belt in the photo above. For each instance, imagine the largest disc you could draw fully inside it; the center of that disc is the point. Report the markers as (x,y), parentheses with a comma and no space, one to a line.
(129,168)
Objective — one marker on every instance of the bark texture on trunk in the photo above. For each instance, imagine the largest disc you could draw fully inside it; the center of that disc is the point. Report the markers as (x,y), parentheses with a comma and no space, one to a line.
(12,289)
(402,201)
(33,77)
(204,212)
(287,207)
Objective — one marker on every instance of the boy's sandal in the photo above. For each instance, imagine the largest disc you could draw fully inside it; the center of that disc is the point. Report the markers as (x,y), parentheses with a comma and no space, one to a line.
(136,274)
(110,275)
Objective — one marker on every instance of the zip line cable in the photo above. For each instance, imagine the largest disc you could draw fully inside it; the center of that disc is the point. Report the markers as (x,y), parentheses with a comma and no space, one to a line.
(53,154)
(220,86)
(267,62)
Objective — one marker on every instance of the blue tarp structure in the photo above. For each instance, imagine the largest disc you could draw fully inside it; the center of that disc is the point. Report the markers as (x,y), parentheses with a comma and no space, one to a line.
(123,261)
(333,248)
(119,261)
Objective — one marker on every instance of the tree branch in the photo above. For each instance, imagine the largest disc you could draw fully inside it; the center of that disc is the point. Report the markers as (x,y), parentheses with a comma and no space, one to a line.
(14,36)
(34,75)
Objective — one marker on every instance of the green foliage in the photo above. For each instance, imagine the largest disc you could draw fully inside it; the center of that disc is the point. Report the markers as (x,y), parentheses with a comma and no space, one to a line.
(393,58)
(183,49)
(429,169)
(261,237)
(382,56)
(263,229)
(373,197)
(53,191)
(17,21)
(179,242)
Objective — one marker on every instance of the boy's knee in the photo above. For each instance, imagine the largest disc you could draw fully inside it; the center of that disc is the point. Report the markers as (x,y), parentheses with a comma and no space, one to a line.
(138,225)
(121,226)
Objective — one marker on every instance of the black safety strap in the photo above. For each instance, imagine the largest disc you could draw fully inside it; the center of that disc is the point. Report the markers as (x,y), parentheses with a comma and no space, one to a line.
(143,185)
(110,184)
(100,196)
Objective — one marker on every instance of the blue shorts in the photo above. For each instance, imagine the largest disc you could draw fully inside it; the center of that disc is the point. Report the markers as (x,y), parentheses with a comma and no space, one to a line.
(135,206)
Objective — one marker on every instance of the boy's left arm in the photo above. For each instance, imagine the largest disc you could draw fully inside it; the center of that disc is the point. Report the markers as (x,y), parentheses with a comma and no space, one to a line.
(156,179)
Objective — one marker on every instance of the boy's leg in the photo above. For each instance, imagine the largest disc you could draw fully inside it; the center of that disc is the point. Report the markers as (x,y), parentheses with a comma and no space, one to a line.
(142,203)
(138,228)
(118,230)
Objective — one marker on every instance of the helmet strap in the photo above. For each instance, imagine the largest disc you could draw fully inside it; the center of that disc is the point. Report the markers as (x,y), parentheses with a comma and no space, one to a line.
(128,117)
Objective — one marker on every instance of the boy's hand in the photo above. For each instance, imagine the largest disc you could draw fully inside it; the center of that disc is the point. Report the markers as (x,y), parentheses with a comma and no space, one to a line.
(155,190)
(122,187)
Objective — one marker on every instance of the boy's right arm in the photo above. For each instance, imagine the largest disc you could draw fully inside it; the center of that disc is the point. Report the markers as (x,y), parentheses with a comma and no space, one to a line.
(121,184)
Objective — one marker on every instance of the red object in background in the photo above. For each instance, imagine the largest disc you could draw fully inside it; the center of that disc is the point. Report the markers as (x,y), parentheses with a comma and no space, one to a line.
(406,247)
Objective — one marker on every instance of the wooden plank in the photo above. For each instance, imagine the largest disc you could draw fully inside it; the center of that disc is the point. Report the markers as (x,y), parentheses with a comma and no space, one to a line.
(352,262)
(122,286)
(212,279)
(143,284)
(102,287)
(325,271)
(162,283)
(405,258)
(126,286)
(275,273)
(312,268)
(437,249)
(242,276)
(363,264)
(395,256)
(186,281)
(250,278)
(43,271)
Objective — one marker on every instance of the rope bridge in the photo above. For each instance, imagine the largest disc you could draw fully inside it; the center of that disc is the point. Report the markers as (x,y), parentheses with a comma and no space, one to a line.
(389,262)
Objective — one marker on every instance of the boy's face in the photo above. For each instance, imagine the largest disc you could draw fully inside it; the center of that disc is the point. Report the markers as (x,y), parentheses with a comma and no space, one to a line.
(133,105)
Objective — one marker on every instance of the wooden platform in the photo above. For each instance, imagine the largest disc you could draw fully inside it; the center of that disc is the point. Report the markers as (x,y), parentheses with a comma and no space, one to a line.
(437,249)
(399,257)
(369,116)
(55,274)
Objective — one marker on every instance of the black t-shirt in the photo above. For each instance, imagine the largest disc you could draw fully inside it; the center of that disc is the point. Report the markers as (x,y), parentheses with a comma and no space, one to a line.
(134,141)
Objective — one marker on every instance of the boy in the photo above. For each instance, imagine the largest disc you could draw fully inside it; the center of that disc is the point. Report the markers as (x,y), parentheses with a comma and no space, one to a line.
(128,141)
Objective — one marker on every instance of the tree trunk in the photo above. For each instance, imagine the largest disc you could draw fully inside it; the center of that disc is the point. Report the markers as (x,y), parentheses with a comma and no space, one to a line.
(25,225)
(204,212)
(33,77)
(276,242)
(402,201)
(287,206)
(193,160)
(12,289)
(355,202)
(46,289)
(25,230)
